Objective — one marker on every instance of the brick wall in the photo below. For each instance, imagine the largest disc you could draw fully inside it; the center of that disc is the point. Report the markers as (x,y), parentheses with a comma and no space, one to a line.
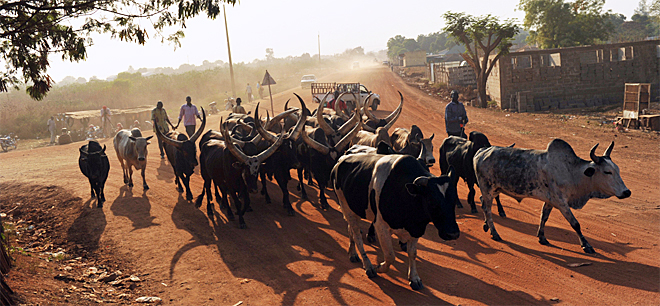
(455,76)
(574,77)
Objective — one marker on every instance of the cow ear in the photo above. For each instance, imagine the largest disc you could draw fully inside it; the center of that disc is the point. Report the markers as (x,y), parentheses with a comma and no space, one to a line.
(148,142)
(150,137)
(413,189)
(589,171)
(132,138)
(236,165)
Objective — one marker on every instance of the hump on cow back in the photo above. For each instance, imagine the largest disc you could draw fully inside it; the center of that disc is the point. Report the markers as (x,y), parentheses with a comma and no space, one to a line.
(136,132)
(560,148)
(92,147)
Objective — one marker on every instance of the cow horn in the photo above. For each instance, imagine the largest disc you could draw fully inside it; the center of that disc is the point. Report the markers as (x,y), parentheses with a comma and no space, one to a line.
(593,156)
(167,140)
(351,122)
(199,131)
(260,129)
(609,150)
(370,115)
(422,153)
(365,100)
(103,151)
(261,157)
(286,105)
(341,145)
(390,123)
(82,152)
(338,111)
(421,181)
(395,114)
(327,129)
(276,120)
(301,121)
(314,144)
(230,145)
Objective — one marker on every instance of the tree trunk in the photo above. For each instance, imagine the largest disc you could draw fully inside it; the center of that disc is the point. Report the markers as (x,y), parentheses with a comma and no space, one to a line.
(481,91)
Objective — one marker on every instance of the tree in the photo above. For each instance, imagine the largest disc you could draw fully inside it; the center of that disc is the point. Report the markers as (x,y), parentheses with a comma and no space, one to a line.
(555,23)
(31,30)
(481,36)
(270,54)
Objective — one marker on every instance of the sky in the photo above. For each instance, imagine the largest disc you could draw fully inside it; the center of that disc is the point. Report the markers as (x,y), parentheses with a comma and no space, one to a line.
(289,27)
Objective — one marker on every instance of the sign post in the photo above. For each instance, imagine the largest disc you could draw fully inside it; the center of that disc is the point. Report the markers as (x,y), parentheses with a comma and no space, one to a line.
(268,80)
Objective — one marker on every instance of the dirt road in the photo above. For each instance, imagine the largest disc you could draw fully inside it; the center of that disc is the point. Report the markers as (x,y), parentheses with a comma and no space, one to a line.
(303,260)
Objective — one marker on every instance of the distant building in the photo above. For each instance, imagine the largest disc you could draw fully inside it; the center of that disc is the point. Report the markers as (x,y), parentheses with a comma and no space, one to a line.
(573,77)
(414,58)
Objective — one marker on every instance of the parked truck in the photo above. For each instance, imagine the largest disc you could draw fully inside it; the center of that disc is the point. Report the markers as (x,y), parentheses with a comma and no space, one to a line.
(319,91)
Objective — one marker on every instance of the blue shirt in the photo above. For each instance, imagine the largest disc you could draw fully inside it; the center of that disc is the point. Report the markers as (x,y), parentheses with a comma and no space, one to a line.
(455,115)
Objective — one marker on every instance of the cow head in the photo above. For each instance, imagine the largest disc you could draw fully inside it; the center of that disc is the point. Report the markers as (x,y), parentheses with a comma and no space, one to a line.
(141,146)
(427,145)
(438,196)
(186,152)
(94,156)
(604,174)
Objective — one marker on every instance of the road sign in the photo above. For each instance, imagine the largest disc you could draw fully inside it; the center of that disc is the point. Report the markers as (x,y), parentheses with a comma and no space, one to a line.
(268,80)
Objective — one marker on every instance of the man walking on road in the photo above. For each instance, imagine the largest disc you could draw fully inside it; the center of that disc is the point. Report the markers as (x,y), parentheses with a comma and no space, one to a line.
(51,128)
(106,123)
(159,116)
(455,117)
(188,112)
(248,92)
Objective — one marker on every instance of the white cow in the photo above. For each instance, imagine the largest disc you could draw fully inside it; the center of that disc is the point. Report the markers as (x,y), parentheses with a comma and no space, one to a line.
(131,150)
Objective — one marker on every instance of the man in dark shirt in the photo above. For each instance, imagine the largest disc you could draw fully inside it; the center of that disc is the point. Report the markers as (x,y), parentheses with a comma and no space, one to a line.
(455,117)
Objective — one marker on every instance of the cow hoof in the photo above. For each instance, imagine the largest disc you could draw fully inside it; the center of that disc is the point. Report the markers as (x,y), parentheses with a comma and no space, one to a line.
(371,239)
(403,246)
(130,184)
(243,226)
(189,197)
(291,213)
(502,214)
(146,187)
(93,196)
(179,189)
(99,204)
(474,210)
(496,237)
(416,285)
(209,212)
(485,227)
(459,205)
(371,273)
(543,241)
(354,258)
(588,249)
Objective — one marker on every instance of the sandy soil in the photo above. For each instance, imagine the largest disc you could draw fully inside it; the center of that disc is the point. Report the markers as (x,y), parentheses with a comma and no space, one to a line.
(303,260)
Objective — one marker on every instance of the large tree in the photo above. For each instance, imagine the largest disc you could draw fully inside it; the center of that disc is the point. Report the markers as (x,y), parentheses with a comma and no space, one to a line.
(556,23)
(32,30)
(481,36)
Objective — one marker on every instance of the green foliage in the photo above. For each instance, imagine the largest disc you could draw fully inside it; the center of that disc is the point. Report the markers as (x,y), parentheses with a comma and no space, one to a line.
(31,30)
(431,43)
(481,36)
(556,23)
(644,23)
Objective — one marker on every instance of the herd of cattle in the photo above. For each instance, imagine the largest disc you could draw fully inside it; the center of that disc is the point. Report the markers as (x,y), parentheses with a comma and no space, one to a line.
(375,175)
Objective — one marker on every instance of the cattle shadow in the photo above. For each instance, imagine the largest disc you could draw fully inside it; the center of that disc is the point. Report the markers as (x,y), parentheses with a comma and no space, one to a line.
(87,228)
(612,271)
(165,171)
(136,209)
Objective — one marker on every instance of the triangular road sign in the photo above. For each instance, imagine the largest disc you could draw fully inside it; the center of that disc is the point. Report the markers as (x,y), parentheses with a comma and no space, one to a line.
(268,80)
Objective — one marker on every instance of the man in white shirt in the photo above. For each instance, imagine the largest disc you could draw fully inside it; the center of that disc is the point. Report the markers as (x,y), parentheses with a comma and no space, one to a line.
(248,92)
(188,113)
(51,128)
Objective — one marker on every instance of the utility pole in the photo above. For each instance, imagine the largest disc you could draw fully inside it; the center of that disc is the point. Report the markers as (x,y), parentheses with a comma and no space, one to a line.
(319,38)
(231,66)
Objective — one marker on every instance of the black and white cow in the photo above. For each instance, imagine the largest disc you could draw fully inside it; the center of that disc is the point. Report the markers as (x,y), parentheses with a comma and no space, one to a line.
(556,176)
(95,166)
(402,196)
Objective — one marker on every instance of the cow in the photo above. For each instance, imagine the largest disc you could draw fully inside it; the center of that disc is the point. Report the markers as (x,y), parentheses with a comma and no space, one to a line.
(411,143)
(373,122)
(232,170)
(182,154)
(131,149)
(401,196)
(458,153)
(556,176)
(95,166)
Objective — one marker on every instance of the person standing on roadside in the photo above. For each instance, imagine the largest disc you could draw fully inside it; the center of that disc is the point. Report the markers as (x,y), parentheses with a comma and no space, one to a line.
(455,117)
(51,128)
(248,92)
(260,90)
(238,109)
(188,113)
(106,123)
(159,116)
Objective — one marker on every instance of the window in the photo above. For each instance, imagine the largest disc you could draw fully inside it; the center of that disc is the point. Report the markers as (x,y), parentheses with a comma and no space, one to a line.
(521,62)
(551,60)
(599,56)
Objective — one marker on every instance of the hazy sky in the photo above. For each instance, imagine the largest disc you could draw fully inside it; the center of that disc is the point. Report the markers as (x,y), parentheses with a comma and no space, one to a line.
(290,27)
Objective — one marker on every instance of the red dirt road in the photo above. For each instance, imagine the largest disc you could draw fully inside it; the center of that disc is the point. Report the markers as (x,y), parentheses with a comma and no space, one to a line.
(303,260)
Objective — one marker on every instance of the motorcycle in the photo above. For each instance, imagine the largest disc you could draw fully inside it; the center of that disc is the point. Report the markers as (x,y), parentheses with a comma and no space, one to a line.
(8,141)
(212,108)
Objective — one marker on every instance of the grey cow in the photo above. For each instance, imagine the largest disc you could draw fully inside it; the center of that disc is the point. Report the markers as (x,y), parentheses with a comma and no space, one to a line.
(131,149)
(556,176)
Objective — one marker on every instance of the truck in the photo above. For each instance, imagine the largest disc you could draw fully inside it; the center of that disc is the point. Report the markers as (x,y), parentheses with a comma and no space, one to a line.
(319,91)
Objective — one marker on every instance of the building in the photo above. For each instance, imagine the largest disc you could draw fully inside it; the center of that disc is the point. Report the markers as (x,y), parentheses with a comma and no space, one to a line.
(573,77)
(414,58)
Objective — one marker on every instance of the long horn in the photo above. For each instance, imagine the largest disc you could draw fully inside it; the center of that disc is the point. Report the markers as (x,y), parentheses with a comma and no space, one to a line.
(201,128)
(82,152)
(341,145)
(395,114)
(260,129)
(276,120)
(364,126)
(391,122)
(609,150)
(167,140)
(345,128)
(369,114)
(360,105)
(230,145)
(327,129)
(286,105)
(593,156)
(314,144)
(422,153)
(301,121)
(338,111)
(261,157)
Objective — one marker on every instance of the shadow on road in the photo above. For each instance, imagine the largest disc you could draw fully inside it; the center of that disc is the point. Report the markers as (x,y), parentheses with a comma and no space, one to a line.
(136,209)
(88,227)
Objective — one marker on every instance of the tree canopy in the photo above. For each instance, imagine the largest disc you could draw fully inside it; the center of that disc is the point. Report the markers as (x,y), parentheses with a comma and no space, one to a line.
(556,23)
(431,43)
(481,36)
(32,30)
